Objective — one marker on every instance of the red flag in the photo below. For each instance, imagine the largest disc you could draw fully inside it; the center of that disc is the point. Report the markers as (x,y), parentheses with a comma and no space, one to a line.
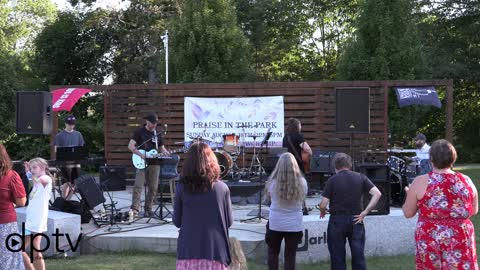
(63,99)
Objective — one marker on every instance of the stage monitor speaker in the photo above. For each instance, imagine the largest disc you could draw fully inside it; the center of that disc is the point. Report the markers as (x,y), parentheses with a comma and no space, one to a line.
(113,178)
(353,110)
(379,175)
(322,162)
(34,115)
(89,190)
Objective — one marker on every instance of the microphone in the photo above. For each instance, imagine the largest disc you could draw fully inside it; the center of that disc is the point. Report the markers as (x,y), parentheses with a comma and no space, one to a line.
(165,129)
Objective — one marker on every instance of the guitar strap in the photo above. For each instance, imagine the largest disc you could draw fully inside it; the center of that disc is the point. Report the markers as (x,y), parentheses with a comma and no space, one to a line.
(295,153)
(155,138)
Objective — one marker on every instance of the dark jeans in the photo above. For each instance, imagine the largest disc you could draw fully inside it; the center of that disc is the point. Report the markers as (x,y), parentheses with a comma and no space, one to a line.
(339,229)
(274,241)
(69,174)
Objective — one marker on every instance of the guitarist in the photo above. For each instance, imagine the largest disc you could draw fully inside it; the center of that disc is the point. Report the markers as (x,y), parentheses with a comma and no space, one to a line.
(146,138)
(296,144)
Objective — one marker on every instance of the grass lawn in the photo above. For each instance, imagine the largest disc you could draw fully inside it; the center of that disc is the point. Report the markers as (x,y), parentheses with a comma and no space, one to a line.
(147,261)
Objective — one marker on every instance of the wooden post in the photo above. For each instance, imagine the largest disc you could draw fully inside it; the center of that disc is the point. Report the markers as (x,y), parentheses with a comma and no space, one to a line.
(385,113)
(449,132)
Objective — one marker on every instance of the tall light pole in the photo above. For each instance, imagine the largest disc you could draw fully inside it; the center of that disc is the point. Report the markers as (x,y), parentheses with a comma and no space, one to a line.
(165,46)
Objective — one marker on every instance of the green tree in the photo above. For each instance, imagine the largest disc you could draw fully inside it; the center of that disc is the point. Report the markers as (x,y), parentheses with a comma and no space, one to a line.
(207,45)
(296,40)
(74,49)
(450,35)
(20,22)
(138,47)
(386,46)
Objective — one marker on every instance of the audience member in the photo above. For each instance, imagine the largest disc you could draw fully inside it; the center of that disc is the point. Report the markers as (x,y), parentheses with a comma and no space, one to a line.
(445,200)
(286,189)
(203,212)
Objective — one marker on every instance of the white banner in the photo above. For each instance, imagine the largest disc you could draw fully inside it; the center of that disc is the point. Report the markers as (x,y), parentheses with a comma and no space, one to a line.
(212,118)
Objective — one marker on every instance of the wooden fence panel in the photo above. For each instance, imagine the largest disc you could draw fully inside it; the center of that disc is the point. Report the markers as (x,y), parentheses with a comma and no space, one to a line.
(313,104)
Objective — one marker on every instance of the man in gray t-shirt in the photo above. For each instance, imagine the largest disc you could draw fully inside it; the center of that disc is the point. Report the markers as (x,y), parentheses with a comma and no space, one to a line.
(68,138)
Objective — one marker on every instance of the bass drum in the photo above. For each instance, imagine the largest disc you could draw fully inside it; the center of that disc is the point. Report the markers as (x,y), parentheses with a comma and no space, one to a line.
(225,162)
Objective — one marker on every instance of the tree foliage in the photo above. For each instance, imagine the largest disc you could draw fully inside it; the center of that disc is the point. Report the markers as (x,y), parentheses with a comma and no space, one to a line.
(207,45)
(20,21)
(138,47)
(451,36)
(296,40)
(74,49)
(386,46)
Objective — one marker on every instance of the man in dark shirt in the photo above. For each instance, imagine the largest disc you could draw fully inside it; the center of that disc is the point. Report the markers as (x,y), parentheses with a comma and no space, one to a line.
(146,138)
(344,192)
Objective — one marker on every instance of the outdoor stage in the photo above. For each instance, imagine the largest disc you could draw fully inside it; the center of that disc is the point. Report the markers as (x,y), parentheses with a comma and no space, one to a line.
(387,235)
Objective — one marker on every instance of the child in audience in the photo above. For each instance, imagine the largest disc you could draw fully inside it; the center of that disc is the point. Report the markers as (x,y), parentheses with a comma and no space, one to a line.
(37,211)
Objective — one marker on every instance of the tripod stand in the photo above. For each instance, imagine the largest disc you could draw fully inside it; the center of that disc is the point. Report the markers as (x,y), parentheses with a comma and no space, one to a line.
(113,209)
(168,169)
(252,188)
(259,216)
(255,166)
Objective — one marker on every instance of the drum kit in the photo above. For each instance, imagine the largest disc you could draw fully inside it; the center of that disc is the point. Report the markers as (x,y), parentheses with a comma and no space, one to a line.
(402,173)
(232,148)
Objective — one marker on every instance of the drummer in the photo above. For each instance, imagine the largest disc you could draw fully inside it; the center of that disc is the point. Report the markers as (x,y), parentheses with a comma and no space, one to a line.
(422,153)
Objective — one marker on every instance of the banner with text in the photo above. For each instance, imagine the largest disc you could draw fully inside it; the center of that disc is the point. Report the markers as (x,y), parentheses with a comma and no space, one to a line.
(213,118)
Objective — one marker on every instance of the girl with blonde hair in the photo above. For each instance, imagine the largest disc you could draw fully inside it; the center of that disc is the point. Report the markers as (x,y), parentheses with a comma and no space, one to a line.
(37,211)
(287,189)
(239,262)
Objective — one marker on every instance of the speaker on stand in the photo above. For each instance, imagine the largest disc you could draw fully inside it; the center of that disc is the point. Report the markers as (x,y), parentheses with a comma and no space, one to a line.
(352,113)
(380,176)
(34,113)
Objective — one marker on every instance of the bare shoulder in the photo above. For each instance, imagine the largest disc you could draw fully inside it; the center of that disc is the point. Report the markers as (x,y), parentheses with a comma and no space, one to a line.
(420,181)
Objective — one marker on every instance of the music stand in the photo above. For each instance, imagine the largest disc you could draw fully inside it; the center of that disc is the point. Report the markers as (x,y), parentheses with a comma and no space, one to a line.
(71,153)
(158,161)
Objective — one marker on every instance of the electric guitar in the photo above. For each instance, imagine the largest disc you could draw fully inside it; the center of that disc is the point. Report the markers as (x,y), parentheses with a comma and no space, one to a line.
(139,162)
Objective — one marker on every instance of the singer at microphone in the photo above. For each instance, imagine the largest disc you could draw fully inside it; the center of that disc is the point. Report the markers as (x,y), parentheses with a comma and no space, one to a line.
(144,140)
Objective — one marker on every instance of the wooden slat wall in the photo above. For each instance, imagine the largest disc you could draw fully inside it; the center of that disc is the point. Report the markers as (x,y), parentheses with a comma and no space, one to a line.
(312,103)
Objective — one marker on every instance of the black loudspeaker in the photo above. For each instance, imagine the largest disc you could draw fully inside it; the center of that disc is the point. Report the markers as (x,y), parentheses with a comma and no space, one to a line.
(34,116)
(353,110)
(89,190)
(113,178)
(322,162)
(379,175)
(73,207)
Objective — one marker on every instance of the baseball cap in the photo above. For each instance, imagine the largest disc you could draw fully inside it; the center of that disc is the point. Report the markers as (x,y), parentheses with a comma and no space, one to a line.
(152,118)
(70,120)
(420,136)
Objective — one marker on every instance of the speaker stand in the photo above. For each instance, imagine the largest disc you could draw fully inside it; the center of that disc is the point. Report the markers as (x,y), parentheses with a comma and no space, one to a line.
(352,153)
